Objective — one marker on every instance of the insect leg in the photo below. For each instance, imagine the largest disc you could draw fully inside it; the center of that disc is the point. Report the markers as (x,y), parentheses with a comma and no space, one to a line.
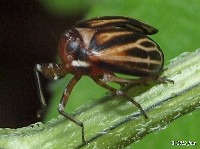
(111,77)
(164,80)
(142,80)
(50,71)
(122,81)
(40,92)
(63,102)
(119,93)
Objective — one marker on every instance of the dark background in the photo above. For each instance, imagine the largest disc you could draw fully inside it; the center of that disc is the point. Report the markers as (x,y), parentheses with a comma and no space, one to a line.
(29,35)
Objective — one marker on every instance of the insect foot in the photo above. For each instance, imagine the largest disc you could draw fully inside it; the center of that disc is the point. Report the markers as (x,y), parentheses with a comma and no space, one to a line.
(41,111)
(164,80)
(119,93)
(69,117)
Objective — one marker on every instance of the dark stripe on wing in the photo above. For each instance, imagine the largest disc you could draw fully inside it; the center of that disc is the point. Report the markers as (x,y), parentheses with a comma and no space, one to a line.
(147,44)
(137,52)
(130,68)
(140,53)
(102,36)
(117,41)
(155,55)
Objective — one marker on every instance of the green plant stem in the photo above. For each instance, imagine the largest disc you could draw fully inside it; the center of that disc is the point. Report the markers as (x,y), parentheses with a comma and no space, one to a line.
(115,123)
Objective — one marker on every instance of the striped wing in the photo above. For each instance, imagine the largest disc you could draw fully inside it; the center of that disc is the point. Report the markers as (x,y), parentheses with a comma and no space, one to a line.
(117,21)
(125,51)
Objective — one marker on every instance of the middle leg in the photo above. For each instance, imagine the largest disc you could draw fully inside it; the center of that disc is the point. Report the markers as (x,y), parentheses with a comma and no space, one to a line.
(119,93)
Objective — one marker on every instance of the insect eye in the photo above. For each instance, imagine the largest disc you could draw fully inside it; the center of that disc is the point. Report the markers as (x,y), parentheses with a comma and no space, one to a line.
(73,45)
(73,40)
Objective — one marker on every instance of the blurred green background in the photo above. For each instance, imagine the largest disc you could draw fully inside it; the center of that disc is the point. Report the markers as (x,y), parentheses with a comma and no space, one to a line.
(178,23)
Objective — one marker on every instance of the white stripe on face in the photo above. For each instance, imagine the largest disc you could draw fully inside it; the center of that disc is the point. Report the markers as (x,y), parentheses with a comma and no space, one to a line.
(77,63)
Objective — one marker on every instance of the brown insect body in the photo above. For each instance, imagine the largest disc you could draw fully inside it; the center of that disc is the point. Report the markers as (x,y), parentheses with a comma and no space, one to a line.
(101,47)
(105,46)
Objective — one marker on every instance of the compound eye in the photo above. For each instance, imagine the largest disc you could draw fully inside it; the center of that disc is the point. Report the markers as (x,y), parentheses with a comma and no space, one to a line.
(73,41)
(73,45)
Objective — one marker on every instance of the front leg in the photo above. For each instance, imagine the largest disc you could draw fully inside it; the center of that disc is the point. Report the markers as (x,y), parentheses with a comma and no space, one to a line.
(63,103)
(50,71)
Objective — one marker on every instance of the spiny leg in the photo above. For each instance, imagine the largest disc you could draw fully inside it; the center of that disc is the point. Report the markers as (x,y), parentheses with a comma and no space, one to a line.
(51,71)
(119,93)
(63,103)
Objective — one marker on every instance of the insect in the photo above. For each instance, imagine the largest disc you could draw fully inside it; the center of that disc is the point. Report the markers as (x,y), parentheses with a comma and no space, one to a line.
(99,48)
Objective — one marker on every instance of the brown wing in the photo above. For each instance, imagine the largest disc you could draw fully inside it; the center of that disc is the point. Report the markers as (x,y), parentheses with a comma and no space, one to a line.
(124,51)
(117,21)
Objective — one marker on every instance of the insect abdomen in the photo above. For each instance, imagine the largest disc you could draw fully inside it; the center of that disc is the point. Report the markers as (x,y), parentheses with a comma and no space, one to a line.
(126,52)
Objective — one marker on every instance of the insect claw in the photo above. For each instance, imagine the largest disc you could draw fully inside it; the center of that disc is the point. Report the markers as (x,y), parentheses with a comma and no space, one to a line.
(41,111)
(145,115)
(164,80)
(118,92)
(169,80)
